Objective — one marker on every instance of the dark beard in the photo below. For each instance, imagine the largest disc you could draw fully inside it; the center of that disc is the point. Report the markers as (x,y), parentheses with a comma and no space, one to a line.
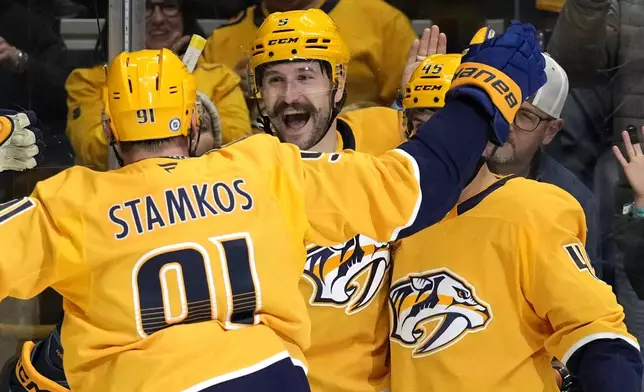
(318,118)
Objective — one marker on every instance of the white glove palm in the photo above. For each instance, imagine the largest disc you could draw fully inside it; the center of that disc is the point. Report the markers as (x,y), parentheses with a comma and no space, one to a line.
(18,143)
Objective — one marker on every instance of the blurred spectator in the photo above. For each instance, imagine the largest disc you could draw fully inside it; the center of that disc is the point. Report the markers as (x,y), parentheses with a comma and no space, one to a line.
(600,44)
(630,230)
(57,8)
(602,102)
(169,24)
(536,124)
(358,106)
(585,42)
(377,34)
(222,9)
(34,64)
(69,9)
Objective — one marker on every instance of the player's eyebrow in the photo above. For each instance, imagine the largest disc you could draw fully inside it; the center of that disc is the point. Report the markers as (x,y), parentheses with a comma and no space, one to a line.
(308,68)
(271,72)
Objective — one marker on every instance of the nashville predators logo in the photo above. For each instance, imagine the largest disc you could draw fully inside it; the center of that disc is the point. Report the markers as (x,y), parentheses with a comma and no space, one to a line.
(334,272)
(435,309)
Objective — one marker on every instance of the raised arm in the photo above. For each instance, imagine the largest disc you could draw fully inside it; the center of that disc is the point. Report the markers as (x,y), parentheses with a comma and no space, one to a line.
(414,186)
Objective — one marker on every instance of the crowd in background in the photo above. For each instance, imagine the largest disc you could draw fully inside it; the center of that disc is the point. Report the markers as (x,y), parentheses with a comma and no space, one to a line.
(599,43)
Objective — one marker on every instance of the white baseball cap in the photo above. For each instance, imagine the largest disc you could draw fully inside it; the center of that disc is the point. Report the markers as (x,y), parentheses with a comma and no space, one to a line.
(551,97)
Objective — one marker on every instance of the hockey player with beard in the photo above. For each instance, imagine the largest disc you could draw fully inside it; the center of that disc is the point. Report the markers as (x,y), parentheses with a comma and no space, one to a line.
(302,90)
(515,53)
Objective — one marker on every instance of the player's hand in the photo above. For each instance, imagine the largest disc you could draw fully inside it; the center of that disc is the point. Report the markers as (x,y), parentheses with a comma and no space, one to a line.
(431,42)
(633,166)
(20,141)
(500,74)
(9,55)
(241,69)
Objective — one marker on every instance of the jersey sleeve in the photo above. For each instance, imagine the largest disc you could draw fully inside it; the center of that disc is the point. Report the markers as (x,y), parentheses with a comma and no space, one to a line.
(398,193)
(561,285)
(352,193)
(34,248)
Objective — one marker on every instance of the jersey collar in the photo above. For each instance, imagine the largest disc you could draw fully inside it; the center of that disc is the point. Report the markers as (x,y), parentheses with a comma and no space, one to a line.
(478,198)
(346,138)
(260,12)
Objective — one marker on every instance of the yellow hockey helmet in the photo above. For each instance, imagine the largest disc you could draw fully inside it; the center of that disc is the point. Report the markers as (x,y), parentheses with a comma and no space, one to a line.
(298,35)
(430,81)
(149,95)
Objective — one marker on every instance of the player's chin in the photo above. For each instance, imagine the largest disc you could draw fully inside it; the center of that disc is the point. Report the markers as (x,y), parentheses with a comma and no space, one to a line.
(501,159)
(500,155)
(301,137)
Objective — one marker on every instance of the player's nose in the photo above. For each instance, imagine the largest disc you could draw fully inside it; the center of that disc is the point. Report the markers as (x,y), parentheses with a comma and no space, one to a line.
(291,92)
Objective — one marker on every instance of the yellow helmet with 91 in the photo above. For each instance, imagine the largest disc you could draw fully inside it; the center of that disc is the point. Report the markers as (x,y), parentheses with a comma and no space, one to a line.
(149,95)
(298,35)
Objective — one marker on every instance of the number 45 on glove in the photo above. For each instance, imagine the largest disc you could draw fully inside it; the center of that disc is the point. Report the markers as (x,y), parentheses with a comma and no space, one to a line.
(20,141)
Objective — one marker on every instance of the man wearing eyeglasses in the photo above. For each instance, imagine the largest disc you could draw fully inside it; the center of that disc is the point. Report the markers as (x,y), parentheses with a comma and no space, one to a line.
(168,24)
(483,300)
(535,126)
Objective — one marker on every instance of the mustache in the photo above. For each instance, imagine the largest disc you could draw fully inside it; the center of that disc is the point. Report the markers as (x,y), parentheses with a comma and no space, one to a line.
(281,107)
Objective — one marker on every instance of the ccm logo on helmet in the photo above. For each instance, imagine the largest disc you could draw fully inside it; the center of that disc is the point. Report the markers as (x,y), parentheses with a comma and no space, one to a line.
(488,77)
(283,41)
(431,87)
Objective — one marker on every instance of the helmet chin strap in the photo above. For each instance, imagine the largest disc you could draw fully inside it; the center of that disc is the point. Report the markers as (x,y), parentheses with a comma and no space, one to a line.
(192,147)
(119,159)
(118,156)
(264,121)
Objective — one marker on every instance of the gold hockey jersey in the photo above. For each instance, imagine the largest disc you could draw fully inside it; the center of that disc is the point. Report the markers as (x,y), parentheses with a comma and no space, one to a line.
(181,272)
(346,285)
(482,300)
(85,106)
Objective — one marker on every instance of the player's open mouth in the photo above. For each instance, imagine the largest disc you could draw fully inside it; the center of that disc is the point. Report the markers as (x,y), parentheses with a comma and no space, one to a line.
(296,120)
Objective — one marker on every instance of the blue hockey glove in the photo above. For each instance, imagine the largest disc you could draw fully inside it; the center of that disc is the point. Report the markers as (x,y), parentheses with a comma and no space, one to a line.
(500,74)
